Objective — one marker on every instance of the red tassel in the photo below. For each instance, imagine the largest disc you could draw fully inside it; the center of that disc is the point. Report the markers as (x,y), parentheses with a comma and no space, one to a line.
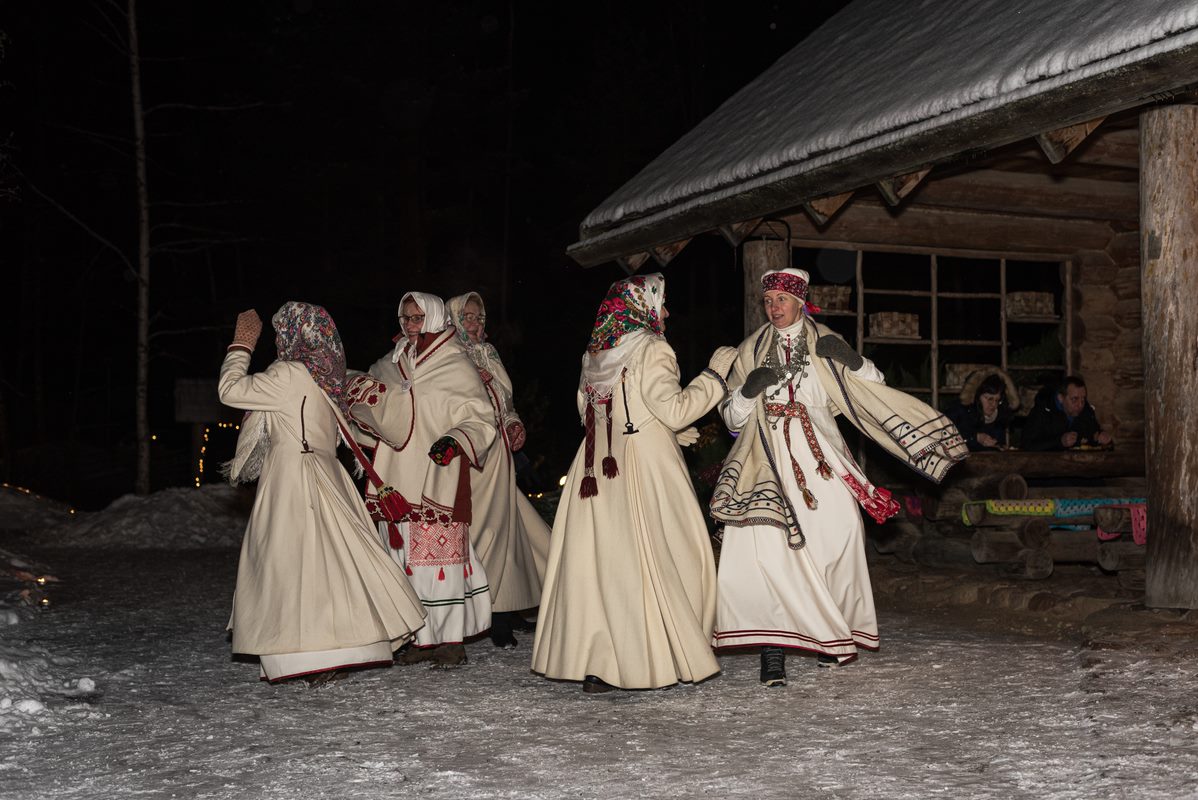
(395,505)
(589,488)
(470,567)
(441,574)
(610,470)
(824,471)
(394,536)
(407,569)
(465,570)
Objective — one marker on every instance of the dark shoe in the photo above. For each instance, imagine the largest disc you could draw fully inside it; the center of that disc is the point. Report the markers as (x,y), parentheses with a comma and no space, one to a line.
(773,666)
(593,684)
(449,655)
(827,661)
(501,630)
(519,623)
(321,678)
(411,654)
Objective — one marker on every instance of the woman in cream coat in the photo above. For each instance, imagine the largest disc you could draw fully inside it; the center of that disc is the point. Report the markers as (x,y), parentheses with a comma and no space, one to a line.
(629,597)
(316,591)
(509,536)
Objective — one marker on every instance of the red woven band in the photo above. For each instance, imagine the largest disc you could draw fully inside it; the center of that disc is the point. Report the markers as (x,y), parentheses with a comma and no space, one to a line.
(783,282)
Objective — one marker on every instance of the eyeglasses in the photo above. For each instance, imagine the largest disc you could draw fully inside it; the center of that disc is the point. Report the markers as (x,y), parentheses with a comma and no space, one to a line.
(415,319)
(474,318)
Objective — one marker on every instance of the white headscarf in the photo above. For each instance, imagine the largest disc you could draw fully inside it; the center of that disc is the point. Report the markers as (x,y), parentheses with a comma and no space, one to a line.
(435,317)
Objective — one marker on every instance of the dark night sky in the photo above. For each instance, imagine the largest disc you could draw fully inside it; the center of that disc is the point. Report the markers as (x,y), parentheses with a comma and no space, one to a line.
(338,153)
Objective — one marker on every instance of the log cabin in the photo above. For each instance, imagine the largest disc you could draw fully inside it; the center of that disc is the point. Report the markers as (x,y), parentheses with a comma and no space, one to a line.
(991,148)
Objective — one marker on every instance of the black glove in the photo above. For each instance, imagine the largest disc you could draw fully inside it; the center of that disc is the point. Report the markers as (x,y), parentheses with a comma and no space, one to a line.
(756,382)
(838,349)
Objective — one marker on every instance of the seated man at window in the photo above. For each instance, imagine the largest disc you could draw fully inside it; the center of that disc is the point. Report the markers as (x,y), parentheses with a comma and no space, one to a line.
(984,412)
(1062,419)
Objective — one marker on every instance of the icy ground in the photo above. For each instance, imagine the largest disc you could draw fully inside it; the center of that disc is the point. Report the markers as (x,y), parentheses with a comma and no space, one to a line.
(946,709)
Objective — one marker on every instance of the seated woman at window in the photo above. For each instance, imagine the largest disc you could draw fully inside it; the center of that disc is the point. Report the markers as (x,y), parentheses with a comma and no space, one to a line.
(988,402)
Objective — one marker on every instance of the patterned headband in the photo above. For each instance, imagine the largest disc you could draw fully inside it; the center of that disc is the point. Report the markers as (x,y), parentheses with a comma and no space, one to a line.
(785,282)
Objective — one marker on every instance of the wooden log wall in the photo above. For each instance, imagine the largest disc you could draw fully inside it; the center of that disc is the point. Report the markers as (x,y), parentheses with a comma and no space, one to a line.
(1108,333)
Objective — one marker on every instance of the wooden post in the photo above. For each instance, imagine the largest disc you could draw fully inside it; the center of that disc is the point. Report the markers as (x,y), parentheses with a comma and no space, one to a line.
(760,256)
(1168,244)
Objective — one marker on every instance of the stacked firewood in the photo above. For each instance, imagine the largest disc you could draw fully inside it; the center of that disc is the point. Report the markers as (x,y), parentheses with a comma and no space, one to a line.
(1024,539)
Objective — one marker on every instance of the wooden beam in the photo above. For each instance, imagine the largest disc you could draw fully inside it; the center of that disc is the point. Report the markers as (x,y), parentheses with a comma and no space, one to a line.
(824,208)
(865,223)
(1059,143)
(895,188)
(1036,194)
(632,263)
(1168,242)
(760,256)
(665,253)
(735,233)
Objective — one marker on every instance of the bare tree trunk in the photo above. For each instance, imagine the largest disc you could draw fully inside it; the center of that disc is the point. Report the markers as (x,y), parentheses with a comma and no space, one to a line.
(142,485)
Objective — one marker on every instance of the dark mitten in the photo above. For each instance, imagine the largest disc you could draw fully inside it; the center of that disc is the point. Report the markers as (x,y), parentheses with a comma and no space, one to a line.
(444,450)
(757,380)
(838,349)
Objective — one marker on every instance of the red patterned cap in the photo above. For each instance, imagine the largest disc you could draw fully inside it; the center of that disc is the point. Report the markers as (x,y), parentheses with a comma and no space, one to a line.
(791,281)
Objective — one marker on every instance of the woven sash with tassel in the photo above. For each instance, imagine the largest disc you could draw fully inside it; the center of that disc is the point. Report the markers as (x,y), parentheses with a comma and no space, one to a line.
(798,410)
(590,485)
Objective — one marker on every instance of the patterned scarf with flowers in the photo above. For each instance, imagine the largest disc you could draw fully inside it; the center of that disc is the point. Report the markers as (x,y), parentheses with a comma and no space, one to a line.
(306,333)
(630,314)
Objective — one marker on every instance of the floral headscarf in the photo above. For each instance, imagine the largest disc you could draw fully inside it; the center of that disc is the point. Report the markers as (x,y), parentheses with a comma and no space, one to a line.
(307,334)
(482,351)
(631,304)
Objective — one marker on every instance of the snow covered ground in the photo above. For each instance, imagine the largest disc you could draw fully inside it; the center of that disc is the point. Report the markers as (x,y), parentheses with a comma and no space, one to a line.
(123,686)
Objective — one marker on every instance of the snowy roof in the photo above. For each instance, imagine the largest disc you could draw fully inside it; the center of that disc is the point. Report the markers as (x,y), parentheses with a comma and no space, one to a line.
(885,87)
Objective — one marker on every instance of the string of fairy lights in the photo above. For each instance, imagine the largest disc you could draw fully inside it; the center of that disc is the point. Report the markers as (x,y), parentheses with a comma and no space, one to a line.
(199,474)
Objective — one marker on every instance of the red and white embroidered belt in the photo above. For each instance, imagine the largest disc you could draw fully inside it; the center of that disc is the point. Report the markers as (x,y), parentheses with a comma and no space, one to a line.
(783,410)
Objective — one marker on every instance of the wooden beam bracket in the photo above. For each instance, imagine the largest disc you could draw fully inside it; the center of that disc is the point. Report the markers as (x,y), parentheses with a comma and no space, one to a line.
(894,189)
(735,234)
(1059,143)
(665,253)
(824,208)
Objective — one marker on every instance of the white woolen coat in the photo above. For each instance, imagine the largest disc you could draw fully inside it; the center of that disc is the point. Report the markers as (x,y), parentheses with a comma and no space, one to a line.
(313,575)
(629,592)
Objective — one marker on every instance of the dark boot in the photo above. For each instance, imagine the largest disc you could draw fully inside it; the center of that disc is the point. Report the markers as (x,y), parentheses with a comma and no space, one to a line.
(596,685)
(501,629)
(773,666)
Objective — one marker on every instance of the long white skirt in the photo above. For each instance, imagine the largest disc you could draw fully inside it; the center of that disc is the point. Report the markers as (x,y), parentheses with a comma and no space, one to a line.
(448,578)
(818,598)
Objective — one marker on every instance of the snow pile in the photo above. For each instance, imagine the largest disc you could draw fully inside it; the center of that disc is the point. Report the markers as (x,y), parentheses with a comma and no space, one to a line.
(172,519)
(28,674)
(33,687)
(23,510)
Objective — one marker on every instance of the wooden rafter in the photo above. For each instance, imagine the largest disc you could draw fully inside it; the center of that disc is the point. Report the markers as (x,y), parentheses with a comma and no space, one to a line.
(824,208)
(735,234)
(631,263)
(895,188)
(1059,143)
(665,253)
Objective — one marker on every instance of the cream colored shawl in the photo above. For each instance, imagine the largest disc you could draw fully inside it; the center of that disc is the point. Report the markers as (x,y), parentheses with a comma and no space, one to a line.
(749,490)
